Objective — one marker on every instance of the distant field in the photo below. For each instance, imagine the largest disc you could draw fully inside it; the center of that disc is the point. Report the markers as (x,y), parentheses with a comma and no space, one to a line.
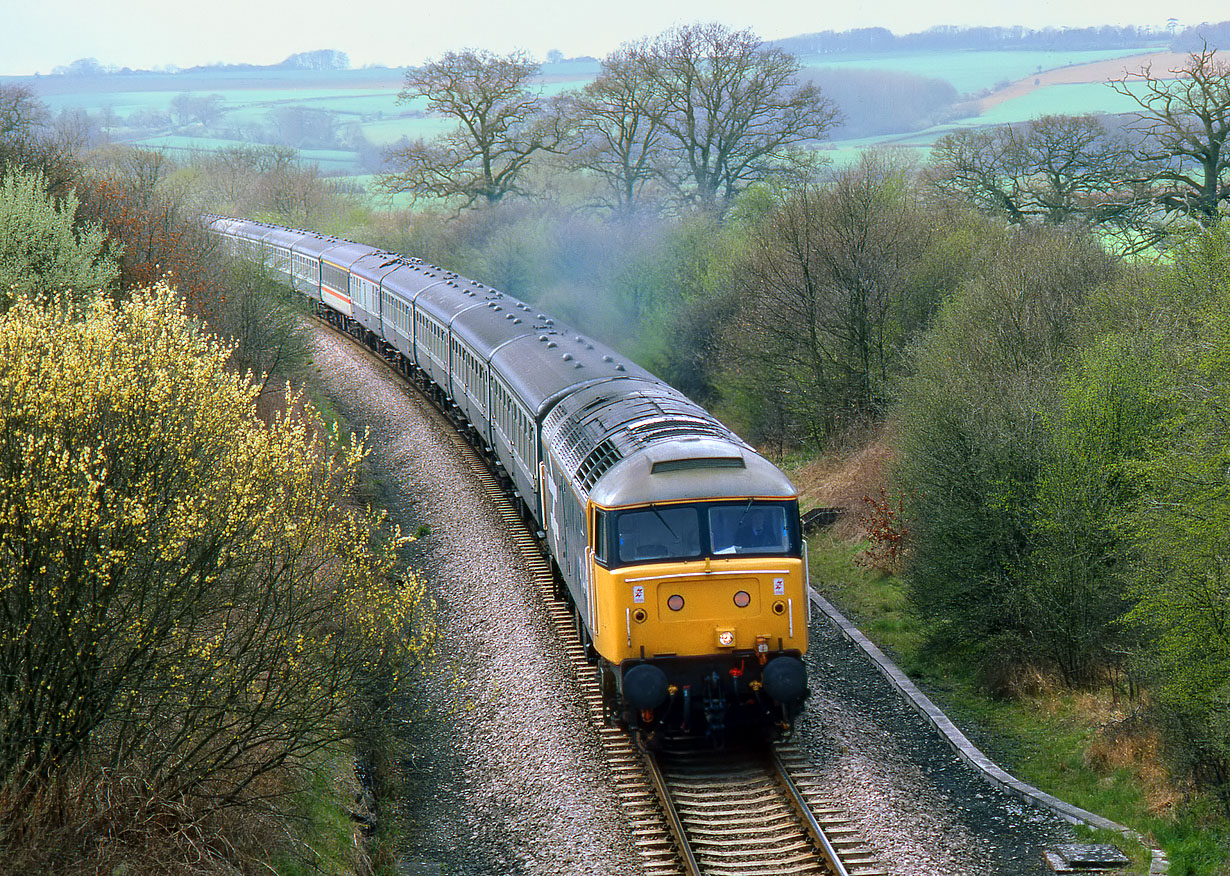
(969,72)
(1064,99)
(1012,87)
(389,131)
(328,160)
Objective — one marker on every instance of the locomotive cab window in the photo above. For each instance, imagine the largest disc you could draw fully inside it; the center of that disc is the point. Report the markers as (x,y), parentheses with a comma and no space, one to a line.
(749,528)
(668,532)
(600,536)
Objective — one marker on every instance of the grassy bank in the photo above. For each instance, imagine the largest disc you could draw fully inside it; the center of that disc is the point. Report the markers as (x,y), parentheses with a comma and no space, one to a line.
(1093,749)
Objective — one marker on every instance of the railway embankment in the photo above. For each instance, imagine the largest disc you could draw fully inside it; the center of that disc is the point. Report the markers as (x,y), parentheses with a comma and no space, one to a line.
(500,768)
(961,746)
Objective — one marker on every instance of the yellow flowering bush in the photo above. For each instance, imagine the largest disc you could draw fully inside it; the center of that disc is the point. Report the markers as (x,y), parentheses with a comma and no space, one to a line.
(182,586)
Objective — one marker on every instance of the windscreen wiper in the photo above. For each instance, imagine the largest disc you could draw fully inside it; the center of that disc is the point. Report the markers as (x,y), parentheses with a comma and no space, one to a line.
(658,514)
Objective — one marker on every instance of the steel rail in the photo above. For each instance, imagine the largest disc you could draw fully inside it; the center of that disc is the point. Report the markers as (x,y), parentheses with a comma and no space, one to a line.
(682,845)
(804,812)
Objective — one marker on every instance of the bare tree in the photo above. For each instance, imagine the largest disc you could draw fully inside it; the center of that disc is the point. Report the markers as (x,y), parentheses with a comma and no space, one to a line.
(305,128)
(984,167)
(1055,169)
(28,140)
(76,129)
(733,110)
(619,128)
(823,287)
(21,112)
(145,170)
(1186,121)
(297,192)
(503,125)
(236,171)
(188,108)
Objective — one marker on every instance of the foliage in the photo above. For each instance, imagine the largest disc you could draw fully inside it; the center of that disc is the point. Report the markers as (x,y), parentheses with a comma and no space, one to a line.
(189,603)
(887,530)
(149,227)
(263,321)
(42,251)
(974,433)
(1082,746)
(651,288)
(680,285)
(27,140)
(1074,597)
(1180,523)
(826,300)
(268,180)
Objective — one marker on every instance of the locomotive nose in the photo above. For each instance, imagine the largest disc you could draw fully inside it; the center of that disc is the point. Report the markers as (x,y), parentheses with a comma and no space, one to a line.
(645,686)
(785,679)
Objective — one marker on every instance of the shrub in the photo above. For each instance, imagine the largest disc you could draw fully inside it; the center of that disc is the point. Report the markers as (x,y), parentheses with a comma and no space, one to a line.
(188,603)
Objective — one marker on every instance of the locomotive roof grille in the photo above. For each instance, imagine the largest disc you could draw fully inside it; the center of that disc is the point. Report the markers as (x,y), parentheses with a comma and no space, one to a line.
(597,463)
(679,429)
(592,444)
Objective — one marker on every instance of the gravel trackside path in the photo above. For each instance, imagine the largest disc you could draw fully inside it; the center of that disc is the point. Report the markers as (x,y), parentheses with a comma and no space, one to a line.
(922,809)
(505,774)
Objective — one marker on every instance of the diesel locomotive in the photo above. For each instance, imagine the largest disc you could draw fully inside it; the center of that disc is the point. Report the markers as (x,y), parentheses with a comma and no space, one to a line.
(678,545)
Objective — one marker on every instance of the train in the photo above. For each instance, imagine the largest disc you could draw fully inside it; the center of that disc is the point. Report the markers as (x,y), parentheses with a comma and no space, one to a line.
(677,544)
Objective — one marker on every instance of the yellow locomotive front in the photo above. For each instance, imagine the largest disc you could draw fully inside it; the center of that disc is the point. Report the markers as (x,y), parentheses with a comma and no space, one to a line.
(680,548)
(698,599)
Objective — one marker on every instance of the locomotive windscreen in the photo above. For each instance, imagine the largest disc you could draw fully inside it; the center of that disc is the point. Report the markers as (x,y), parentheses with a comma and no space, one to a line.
(717,529)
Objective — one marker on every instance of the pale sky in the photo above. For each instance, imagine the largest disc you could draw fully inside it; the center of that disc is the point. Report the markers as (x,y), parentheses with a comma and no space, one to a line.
(37,35)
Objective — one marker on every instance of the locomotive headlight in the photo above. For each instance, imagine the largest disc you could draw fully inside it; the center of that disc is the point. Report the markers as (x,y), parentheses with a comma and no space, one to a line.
(743,599)
(675,603)
(726,638)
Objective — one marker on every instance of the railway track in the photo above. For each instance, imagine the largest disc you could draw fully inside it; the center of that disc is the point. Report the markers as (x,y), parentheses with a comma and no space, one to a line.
(692,811)
(752,812)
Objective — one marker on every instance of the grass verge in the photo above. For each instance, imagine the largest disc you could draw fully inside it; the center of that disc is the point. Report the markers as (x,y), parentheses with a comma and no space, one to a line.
(1090,748)
(322,837)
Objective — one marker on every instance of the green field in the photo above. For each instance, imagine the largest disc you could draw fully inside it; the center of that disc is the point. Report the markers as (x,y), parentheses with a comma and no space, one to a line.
(368,98)
(1077,99)
(968,72)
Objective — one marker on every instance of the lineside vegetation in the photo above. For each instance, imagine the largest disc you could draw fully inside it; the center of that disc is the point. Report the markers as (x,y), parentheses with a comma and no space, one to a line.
(194,611)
